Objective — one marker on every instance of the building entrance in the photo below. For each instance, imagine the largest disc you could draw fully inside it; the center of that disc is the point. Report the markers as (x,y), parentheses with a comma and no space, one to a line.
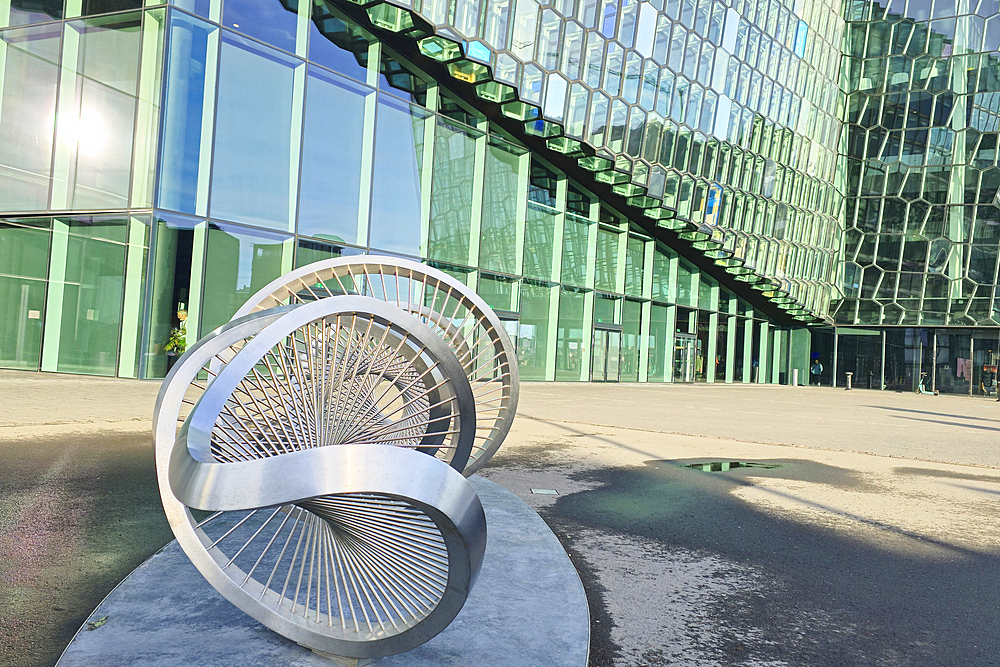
(685,357)
(606,363)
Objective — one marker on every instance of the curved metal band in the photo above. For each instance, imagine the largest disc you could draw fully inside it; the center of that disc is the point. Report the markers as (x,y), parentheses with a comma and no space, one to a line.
(422,481)
(279,290)
(197,431)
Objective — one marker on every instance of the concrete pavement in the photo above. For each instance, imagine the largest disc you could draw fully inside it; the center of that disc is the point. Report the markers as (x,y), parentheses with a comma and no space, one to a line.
(873,543)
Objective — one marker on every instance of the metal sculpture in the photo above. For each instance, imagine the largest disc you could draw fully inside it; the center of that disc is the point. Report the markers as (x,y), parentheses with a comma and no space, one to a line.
(311,452)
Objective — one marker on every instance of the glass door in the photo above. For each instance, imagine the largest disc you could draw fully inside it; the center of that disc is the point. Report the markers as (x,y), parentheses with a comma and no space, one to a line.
(606,361)
(685,356)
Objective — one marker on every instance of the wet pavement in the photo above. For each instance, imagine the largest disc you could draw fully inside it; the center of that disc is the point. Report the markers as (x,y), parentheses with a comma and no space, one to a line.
(872,540)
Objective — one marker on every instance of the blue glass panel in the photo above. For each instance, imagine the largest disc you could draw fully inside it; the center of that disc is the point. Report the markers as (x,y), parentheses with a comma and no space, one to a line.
(800,39)
(479,51)
(340,45)
(266,20)
(399,151)
(183,113)
(199,7)
(251,167)
(330,187)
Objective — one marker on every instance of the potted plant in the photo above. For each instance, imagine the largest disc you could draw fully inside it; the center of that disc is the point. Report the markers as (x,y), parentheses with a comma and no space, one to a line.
(175,345)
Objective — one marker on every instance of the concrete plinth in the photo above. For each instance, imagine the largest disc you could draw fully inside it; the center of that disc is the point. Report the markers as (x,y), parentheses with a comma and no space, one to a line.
(527,608)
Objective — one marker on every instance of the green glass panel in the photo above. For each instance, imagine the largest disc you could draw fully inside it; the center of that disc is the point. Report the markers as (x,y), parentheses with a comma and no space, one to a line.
(498,240)
(575,264)
(607,261)
(661,276)
(631,340)
(451,193)
(539,238)
(570,348)
(93,287)
(706,294)
(604,310)
(497,291)
(239,263)
(532,345)
(24,255)
(29,72)
(686,275)
(635,253)
(658,359)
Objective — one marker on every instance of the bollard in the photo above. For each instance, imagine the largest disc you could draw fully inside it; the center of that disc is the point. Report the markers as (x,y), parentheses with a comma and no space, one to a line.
(849,381)
(795,377)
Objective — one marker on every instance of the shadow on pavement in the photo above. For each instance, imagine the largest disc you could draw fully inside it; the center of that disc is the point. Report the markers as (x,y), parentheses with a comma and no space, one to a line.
(830,600)
(77,515)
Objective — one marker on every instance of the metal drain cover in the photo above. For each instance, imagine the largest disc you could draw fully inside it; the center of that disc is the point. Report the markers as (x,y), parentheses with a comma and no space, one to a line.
(724,466)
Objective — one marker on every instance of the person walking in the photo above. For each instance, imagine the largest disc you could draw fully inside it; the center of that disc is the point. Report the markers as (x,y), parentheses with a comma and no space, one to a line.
(816,372)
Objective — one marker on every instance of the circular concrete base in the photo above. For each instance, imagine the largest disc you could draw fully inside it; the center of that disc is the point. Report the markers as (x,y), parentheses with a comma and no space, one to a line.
(527,608)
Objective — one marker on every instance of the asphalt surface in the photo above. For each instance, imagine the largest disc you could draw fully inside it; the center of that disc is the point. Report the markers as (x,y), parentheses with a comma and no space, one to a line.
(871,541)
(77,514)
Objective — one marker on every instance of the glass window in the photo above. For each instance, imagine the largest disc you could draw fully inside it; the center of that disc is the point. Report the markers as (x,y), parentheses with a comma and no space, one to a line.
(532,345)
(635,255)
(265,20)
(604,309)
(330,190)
(451,192)
(570,349)
(607,261)
(398,178)
(84,311)
(497,291)
(252,169)
(498,240)
(23,12)
(95,128)
(575,264)
(312,251)
(658,361)
(24,258)
(338,43)
(92,7)
(539,240)
(171,293)
(28,80)
(239,262)
(631,326)
(187,115)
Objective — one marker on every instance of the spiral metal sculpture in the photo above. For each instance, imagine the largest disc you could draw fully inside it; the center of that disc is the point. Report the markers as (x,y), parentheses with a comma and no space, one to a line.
(312,453)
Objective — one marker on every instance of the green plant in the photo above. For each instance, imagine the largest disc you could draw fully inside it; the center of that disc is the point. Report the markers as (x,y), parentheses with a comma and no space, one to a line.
(176,341)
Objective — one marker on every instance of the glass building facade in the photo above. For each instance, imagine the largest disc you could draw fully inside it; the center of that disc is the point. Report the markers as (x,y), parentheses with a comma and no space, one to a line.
(664,191)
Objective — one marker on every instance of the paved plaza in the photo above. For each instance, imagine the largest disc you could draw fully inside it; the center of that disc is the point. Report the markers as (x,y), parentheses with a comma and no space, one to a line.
(865,534)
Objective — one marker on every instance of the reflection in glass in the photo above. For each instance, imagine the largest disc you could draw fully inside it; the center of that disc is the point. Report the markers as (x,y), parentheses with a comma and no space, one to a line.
(532,346)
(29,73)
(539,239)
(330,190)
(338,43)
(253,156)
(570,349)
(188,102)
(396,190)
(95,128)
(631,338)
(498,238)
(451,193)
(266,20)
(239,262)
